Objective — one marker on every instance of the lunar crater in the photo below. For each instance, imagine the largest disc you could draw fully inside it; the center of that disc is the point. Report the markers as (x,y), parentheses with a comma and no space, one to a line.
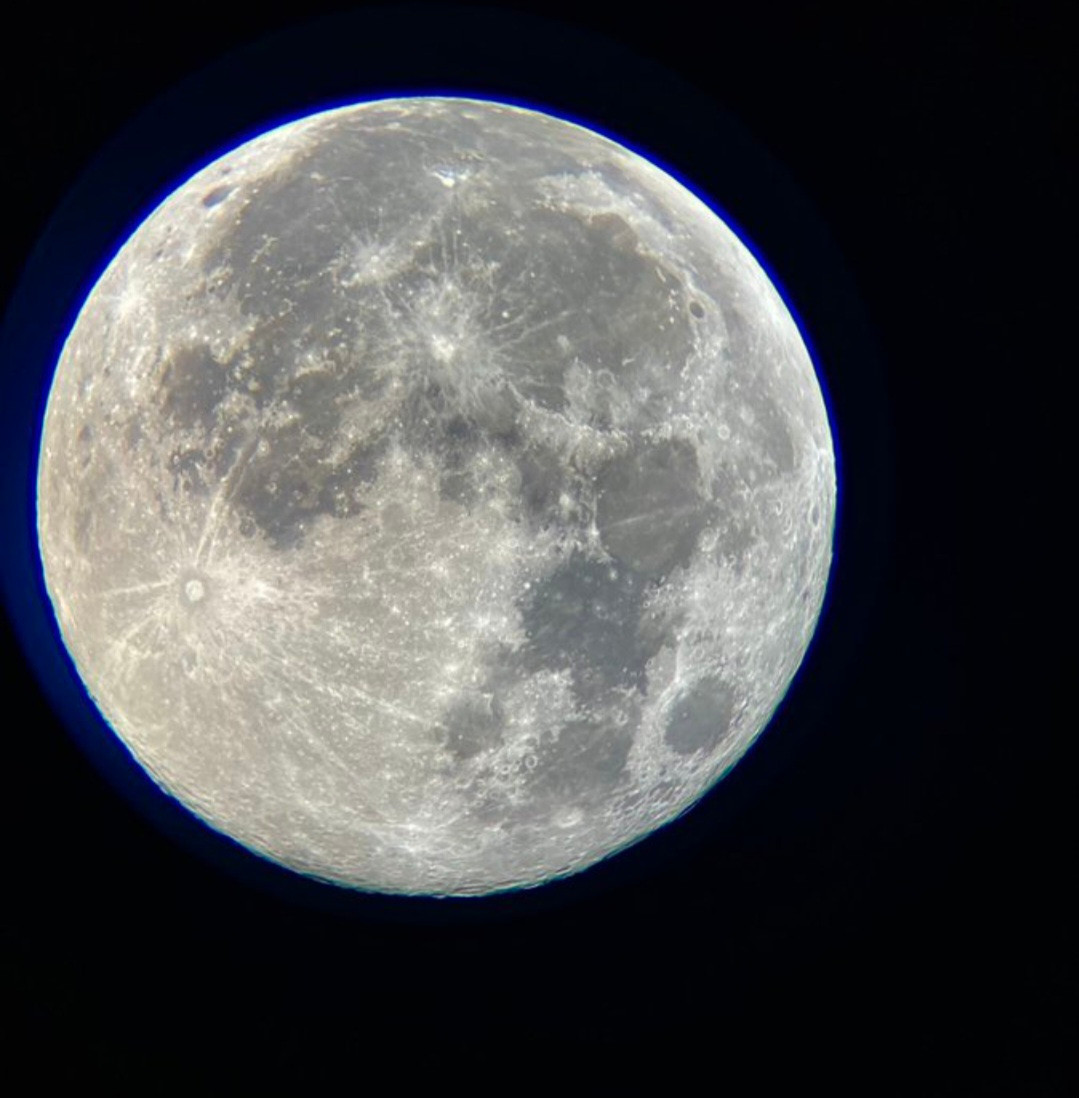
(449,510)
(193,590)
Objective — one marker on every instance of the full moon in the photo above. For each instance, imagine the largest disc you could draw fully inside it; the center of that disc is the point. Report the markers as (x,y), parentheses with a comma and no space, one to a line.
(435,496)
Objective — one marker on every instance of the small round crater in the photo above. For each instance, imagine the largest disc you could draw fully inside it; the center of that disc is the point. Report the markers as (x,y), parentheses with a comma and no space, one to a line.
(193,591)
(697,309)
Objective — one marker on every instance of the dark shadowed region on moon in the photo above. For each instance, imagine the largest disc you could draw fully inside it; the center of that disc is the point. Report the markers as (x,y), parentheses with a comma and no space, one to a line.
(435,496)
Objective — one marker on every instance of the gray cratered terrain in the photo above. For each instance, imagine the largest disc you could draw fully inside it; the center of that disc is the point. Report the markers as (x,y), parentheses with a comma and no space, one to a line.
(435,496)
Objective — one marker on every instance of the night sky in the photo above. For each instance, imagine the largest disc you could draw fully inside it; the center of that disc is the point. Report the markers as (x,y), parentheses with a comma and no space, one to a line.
(876,894)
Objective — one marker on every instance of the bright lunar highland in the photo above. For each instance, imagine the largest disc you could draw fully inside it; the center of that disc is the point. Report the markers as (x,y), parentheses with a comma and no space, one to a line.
(435,496)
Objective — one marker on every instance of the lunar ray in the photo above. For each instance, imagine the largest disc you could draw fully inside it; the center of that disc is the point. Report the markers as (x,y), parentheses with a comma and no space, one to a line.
(435,496)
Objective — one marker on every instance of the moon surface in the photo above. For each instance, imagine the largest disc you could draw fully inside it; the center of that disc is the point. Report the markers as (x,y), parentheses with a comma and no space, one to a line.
(435,496)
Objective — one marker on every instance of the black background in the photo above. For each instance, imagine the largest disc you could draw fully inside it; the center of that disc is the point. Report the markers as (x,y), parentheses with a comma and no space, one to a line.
(876,895)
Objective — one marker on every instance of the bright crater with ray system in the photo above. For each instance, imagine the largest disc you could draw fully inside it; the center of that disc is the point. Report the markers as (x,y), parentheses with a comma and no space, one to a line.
(435,496)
